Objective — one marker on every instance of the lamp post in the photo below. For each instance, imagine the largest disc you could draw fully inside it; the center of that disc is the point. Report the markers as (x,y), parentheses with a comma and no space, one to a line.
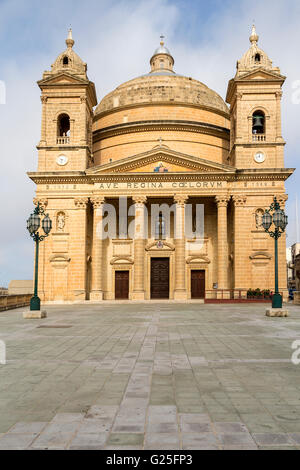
(33,225)
(275,215)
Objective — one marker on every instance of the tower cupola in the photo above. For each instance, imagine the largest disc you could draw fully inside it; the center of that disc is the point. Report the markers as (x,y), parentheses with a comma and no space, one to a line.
(162,60)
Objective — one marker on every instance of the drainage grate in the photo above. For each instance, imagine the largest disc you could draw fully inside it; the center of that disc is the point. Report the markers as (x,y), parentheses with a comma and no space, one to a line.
(55,326)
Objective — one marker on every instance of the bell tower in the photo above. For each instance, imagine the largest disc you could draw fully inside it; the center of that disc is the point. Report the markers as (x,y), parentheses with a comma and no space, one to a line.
(254,95)
(68,98)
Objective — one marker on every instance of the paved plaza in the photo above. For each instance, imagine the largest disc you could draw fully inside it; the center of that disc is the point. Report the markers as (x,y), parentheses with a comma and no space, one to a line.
(150,376)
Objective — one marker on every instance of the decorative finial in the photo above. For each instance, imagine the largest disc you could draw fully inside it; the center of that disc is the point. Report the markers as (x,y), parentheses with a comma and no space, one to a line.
(254,37)
(70,41)
(162,37)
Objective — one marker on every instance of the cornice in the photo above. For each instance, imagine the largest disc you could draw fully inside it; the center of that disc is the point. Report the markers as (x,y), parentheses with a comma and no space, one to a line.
(161,125)
(266,144)
(235,176)
(63,147)
(161,103)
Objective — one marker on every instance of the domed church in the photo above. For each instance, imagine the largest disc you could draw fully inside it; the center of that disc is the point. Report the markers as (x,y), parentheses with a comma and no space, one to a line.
(158,190)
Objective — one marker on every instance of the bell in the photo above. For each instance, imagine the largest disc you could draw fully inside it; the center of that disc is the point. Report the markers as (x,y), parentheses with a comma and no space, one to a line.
(258,122)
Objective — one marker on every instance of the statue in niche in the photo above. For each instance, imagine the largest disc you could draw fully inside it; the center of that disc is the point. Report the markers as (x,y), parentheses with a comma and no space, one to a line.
(61,222)
(258,218)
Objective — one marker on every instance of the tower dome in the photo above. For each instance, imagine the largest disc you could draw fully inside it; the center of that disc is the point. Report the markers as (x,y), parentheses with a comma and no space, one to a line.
(255,57)
(162,60)
(69,61)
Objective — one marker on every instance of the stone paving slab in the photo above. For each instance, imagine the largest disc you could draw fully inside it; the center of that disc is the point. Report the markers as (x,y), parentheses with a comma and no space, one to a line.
(150,376)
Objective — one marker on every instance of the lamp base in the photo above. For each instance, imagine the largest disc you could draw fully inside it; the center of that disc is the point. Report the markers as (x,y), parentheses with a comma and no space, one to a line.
(34,314)
(277,301)
(35,304)
(277,312)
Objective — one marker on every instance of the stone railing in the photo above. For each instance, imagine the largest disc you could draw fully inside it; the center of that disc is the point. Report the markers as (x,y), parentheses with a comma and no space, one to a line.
(259,138)
(9,302)
(63,140)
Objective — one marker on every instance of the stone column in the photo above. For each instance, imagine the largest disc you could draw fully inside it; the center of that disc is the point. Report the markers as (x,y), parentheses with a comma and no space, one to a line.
(78,249)
(139,249)
(97,252)
(222,202)
(180,257)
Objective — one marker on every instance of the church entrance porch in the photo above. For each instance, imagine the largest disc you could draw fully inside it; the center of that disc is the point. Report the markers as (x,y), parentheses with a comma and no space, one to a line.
(160,278)
(122,285)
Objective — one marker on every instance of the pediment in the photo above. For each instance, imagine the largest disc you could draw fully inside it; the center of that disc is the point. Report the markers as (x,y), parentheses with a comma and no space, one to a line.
(261,74)
(163,161)
(62,78)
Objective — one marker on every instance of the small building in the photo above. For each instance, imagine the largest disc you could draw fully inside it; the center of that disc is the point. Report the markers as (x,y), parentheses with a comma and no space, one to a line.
(20,287)
(292,253)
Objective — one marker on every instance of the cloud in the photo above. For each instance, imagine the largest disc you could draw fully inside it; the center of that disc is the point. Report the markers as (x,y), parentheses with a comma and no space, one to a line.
(116,39)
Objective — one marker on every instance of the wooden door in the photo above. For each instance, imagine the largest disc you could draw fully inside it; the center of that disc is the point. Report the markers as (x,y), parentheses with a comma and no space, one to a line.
(198,284)
(160,278)
(121,285)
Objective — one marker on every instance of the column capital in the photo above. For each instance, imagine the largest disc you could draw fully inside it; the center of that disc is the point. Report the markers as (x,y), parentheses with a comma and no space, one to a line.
(239,201)
(139,200)
(81,202)
(44,99)
(97,201)
(222,201)
(180,199)
(282,199)
(42,202)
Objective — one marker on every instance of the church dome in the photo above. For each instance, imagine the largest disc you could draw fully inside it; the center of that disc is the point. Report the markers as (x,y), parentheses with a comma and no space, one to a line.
(162,85)
(161,109)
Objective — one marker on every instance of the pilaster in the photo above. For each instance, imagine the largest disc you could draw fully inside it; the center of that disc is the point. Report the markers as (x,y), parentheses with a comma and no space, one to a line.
(78,251)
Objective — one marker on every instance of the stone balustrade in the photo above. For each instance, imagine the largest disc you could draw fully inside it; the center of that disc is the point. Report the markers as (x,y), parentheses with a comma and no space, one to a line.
(259,138)
(63,140)
(9,302)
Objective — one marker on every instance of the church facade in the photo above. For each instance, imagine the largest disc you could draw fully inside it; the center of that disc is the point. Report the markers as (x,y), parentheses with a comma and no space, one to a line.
(158,191)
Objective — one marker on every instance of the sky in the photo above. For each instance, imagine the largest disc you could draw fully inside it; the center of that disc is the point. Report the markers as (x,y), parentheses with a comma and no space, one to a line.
(116,39)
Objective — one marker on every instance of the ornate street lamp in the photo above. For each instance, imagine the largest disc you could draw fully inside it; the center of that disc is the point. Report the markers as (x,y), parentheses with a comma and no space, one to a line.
(33,225)
(280,221)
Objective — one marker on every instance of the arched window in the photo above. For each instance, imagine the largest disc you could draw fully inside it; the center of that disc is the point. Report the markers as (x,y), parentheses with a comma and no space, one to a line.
(257,58)
(65,60)
(63,126)
(258,125)
(63,129)
(160,227)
